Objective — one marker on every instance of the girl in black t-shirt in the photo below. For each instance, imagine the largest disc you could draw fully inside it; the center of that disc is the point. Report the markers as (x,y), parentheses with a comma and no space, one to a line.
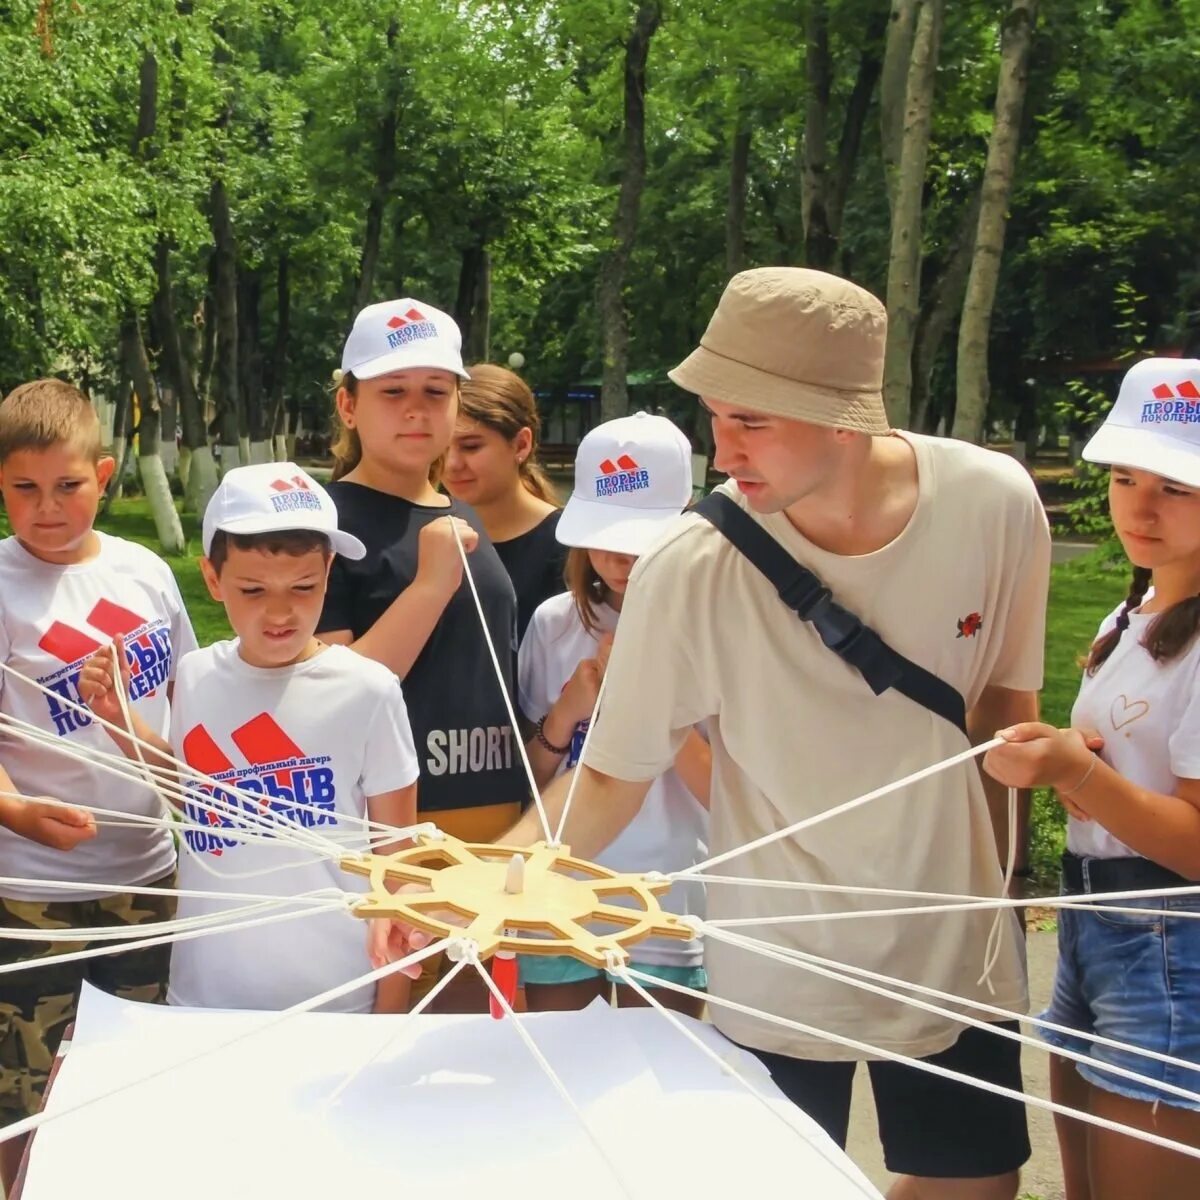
(493,466)
(407,603)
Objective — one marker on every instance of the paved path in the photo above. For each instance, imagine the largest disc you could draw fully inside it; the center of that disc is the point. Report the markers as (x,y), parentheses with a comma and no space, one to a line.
(1042,1178)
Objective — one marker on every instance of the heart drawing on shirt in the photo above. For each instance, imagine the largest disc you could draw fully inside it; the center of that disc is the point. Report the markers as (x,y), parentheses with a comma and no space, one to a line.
(1125,712)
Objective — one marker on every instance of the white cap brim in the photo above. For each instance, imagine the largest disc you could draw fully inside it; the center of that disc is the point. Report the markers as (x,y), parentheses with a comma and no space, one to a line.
(594,525)
(1144,450)
(341,542)
(409,358)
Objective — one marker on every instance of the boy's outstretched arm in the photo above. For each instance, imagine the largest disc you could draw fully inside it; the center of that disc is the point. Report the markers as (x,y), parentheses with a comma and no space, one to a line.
(398,809)
(49,824)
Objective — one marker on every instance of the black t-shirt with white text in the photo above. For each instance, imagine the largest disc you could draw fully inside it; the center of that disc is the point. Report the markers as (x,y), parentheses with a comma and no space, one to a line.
(464,739)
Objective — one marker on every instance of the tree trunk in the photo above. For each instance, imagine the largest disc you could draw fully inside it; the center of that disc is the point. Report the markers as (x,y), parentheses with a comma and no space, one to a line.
(178,370)
(893,89)
(385,175)
(150,464)
(937,315)
(121,437)
(614,324)
(993,214)
(858,106)
(904,263)
(230,417)
(283,312)
(473,303)
(250,358)
(735,212)
(207,330)
(819,244)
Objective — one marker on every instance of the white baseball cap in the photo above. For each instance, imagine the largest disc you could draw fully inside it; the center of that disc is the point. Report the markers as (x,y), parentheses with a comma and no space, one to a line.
(398,335)
(274,498)
(633,477)
(1155,424)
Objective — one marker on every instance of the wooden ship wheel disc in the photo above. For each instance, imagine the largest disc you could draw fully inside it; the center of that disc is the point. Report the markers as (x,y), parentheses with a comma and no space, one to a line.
(546,903)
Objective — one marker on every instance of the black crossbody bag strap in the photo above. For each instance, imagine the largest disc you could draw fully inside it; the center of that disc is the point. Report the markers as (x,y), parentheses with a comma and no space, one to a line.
(852,641)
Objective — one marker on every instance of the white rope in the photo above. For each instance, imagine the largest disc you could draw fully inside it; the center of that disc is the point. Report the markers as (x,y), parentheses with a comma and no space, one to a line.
(32,964)
(425,1001)
(1082,902)
(252,813)
(866,1049)
(754,944)
(573,786)
(849,980)
(508,705)
(618,969)
(317,896)
(995,938)
(173,824)
(131,933)
(1072,902)
(551,1074)
(19,1128)
(838,810)
(249,814)
(262,826)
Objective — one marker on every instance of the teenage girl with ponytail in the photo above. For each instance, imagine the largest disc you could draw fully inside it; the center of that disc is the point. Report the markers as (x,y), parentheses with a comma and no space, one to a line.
(1128,773)
(493,466)
(407,603)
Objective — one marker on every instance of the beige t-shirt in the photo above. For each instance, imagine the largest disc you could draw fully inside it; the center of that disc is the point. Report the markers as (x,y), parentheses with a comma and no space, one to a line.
(795,731)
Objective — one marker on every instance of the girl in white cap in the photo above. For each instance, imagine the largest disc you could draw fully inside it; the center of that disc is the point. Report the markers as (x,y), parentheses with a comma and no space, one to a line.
(407,602)
(1128,773)
(633,477)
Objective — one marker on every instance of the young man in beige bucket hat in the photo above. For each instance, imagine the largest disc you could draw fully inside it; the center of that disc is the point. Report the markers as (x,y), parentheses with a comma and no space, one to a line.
(943,549)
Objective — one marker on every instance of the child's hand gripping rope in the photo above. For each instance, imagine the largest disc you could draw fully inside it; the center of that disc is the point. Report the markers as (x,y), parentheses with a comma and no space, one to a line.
(439,564)
(1038,755)
(97,685)
(48,822)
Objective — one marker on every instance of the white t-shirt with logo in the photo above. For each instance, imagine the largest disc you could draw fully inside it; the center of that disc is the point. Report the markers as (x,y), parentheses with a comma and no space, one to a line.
(314,740)
(671,830)
(52,619)
(796,731)
(1149,716)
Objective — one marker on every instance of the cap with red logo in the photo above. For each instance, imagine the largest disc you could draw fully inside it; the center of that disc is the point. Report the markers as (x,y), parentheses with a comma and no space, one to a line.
(400,335)
(1155,424)
(275,498)
(633,477)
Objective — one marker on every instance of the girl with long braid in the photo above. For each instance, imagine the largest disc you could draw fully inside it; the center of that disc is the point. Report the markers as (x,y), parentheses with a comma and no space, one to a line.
(1128,773)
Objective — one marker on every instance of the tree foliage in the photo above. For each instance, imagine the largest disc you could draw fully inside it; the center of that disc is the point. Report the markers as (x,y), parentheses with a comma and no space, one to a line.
(472,154)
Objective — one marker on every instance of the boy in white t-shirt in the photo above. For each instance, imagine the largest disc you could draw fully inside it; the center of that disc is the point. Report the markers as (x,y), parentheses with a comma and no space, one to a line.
(65,590)
(319,730)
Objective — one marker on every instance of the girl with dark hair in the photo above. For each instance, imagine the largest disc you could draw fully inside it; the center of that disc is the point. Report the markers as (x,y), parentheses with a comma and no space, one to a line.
(1128,773)
(493,466)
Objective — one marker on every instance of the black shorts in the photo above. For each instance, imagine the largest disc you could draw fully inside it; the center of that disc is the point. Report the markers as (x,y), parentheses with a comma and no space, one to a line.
(929,1125)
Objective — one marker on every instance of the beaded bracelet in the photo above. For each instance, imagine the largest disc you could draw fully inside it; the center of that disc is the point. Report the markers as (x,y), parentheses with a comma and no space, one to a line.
(539,731)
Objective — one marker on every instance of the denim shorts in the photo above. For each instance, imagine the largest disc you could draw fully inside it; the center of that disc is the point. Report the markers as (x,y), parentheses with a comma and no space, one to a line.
(1134,978)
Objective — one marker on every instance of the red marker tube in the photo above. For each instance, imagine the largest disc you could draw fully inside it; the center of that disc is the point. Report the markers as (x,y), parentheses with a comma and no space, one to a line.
(504,962)
(504,974)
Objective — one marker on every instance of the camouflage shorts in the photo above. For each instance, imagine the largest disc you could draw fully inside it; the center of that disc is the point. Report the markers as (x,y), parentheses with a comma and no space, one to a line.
(37,1006)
